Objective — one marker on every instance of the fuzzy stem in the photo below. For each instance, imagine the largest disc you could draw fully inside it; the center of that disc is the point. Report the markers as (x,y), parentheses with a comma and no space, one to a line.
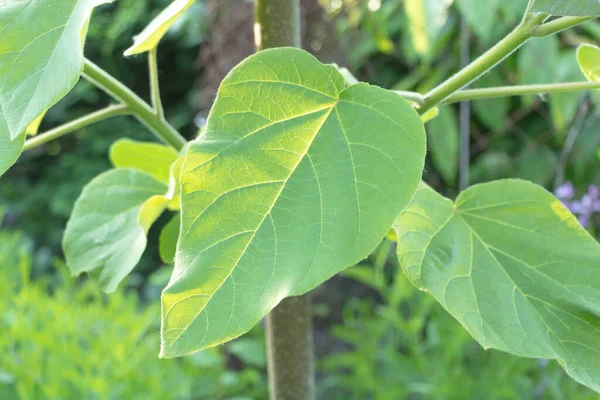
(62,130)
(154,83)
(520,90)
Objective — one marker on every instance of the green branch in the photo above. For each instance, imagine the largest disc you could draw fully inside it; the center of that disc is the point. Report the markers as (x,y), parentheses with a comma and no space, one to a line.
(411,96)
(70,127)
(154,84)
(521,90)
(138,107)
(532,26)
(485,62)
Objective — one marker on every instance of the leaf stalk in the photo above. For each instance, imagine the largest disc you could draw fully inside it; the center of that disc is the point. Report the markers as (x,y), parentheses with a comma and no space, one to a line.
(138,107)
(75,125)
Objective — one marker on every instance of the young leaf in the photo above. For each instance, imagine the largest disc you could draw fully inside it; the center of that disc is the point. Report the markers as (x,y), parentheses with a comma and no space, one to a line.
(295,179)
(34,126)
(513,266)
(167,241)
(41,62)
(588,57)
(444,142)
(573,8)
(153,158)
(106,234)
(149,38)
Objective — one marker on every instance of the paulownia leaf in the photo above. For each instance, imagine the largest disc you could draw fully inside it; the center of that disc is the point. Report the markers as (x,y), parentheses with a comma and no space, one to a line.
(149,38)
(295,178)
(588,57)
(106,234)
(567,7)
(153,158)
(514,266)
(41,58)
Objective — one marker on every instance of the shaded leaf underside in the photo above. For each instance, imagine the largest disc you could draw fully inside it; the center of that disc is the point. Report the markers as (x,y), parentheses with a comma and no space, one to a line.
(568,7)
(106,233)
(512,264)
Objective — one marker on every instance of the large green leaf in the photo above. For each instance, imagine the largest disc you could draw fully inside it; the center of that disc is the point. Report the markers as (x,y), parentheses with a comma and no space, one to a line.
(567,7)
(513,266)
(106,234)
(153,158)
(41,58)
(295,178)
(149,38)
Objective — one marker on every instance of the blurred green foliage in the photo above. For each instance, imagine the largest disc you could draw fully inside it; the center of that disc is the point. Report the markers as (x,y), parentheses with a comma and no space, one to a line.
(64,340)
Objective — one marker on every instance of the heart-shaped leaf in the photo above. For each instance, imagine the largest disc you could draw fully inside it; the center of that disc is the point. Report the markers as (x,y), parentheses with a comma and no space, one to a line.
(149,38)
(513,266)
(42,57)
(573,8)
(106,234)
(296,178)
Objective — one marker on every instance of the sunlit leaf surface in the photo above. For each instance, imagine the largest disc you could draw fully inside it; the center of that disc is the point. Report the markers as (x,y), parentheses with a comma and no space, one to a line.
(295,178)
(41,58)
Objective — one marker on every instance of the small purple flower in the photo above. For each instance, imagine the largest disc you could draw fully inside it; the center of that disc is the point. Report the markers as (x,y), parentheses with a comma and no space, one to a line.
(584,220)
(585,207)
(565,191)
(575,207)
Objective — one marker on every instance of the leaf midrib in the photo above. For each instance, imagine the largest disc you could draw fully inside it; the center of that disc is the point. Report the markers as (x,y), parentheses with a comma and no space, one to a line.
(268,213)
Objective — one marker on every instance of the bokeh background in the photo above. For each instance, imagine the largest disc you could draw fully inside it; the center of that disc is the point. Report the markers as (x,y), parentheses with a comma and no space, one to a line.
(376,337)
